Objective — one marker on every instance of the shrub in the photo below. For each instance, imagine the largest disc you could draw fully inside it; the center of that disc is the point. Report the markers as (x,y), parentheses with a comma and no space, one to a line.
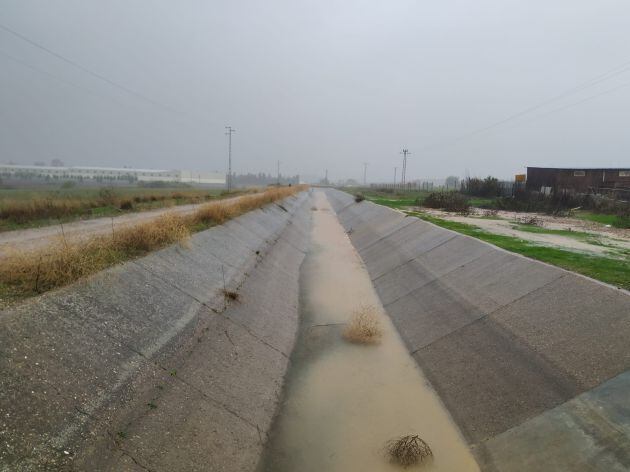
(562,202)
(449,201)
(622,222)
(107,196)
(359,197)
(488,187)
(530,221)
(363,327)
(408,450)
(126,205)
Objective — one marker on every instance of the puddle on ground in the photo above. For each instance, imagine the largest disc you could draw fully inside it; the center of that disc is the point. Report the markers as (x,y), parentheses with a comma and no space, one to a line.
(344,401)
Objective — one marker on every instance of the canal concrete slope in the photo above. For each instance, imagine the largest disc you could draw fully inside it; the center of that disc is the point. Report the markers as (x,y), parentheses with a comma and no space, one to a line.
(531,360)
(148,365)
(344,401)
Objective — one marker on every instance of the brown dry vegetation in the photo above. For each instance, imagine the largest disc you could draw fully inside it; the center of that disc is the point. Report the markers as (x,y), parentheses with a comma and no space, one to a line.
(363,327)
(231,295)
(408,450)
(41,207)
(30,272)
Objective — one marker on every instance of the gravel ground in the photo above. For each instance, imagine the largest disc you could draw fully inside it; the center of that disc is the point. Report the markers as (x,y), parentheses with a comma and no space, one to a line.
(605,239)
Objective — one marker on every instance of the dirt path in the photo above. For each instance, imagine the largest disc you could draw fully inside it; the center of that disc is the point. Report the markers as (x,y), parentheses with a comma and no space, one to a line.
(34,238)
(601,239)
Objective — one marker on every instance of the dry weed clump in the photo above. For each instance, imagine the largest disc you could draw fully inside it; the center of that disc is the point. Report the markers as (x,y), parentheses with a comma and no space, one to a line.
(215,213)
(364,326)
(21,211)
(408,450)
(218,213)
(29,272)
(231,295)
(156,234)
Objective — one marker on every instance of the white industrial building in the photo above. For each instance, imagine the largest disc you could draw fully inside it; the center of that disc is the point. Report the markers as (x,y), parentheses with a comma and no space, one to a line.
(113,173)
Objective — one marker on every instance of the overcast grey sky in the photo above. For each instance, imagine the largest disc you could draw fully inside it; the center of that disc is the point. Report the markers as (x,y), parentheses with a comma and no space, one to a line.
(318,84)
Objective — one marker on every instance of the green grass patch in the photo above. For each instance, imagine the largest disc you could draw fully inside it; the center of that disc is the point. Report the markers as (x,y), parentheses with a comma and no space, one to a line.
(612,270)
(408,199)
(558,232)
(398,201)
(480,202)
(613,220)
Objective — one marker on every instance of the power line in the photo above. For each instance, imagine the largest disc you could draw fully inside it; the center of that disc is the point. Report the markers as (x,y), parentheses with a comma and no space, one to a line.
(86,70)
(103,96)
(59,79)
(615,71)
(579,102)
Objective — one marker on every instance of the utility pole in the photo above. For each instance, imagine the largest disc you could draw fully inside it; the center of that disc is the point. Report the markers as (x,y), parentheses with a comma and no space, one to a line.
(229,133)
(395,170)
(326,178)
(278,173)
(365,164)
(405,153)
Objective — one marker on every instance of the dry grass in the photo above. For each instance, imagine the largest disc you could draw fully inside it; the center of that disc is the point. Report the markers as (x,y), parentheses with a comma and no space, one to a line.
(218,213)
(51,205)
(231,295)
(30,272)
(21,211)
(408,450)
(364,326)
(62,263)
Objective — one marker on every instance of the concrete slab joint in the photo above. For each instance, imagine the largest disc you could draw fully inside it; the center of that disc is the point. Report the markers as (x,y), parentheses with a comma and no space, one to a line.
(532,361)
(145,367)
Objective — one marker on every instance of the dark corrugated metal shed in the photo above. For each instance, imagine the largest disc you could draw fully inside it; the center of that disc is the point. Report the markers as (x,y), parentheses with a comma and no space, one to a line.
(579,179)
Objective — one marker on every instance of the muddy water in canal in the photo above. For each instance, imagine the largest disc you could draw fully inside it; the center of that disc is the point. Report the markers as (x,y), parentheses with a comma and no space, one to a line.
(343,401)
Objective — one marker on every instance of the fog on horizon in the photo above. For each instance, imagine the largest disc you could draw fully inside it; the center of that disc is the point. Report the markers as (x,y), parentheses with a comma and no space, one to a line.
(470,88)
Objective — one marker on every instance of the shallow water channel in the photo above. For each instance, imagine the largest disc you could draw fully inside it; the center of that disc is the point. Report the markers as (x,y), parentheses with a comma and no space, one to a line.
(343,401)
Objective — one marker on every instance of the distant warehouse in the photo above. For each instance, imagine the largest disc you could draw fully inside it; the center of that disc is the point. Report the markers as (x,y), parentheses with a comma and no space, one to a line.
(579,179)
(112,173)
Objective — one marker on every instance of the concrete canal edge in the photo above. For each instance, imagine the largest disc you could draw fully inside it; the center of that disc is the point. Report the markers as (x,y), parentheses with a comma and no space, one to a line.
(143,367)
(531,360)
